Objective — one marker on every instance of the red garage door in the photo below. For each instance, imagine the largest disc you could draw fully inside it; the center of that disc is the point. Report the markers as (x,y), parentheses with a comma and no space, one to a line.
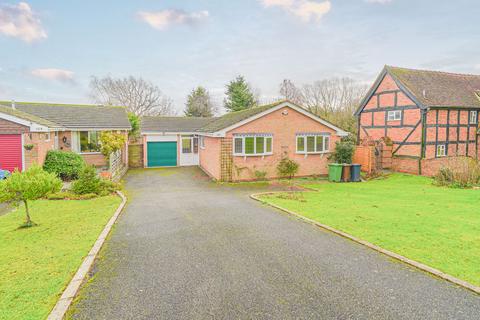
(11,151)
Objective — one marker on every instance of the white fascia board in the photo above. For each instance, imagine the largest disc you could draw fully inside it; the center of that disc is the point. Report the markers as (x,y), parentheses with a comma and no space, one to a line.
(339,131)
(94,129)
(166,133)
(33,127)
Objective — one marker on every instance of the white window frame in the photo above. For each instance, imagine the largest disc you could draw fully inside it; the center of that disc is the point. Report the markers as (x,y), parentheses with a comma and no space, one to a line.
(255,136)
(201,142)
(392,115)
(443,148)
(473,117)
(326,146)
(47,136)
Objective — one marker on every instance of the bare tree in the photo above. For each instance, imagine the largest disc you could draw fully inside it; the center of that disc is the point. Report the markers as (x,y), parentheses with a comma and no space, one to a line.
(139,96)
(335,100)
(290,92)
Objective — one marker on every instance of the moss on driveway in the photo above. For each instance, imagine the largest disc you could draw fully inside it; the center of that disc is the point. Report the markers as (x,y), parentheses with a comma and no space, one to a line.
(38,263)
(437,226)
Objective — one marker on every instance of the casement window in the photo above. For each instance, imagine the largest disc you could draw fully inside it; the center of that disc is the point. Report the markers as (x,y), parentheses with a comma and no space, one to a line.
(89,141)
(473,117)
(441,150)
(252,145)
(313,143)
(201,141)
(395,115)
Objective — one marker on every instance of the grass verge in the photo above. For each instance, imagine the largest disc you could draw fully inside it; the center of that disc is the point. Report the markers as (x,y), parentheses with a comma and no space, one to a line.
(37,263)
(436,226)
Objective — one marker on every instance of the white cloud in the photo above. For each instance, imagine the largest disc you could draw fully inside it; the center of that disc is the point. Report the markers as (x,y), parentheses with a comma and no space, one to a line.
(379,1)
(304,9)
(54,74)
(21,22)
(161,20)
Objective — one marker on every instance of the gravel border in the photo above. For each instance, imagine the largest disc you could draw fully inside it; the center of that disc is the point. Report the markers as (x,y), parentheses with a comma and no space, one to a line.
(60,309)
(421,266)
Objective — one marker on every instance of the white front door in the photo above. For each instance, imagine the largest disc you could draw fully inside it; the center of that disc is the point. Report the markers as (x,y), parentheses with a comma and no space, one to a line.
(189,151)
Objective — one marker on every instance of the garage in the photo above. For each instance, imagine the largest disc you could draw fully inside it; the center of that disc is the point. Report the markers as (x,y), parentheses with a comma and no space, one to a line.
(162,154)
(11,152)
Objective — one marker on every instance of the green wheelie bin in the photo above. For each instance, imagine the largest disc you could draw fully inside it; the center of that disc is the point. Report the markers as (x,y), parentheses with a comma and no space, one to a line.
(335,172)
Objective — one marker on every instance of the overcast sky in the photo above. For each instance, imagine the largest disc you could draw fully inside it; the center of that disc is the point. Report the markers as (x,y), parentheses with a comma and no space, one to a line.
(49,49)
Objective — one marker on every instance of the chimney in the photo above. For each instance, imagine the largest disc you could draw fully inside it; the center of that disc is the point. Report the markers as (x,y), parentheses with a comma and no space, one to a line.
(13,104)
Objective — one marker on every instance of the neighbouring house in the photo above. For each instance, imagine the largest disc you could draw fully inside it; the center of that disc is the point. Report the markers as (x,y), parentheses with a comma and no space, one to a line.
(238,145)
(429,116)
(29,130)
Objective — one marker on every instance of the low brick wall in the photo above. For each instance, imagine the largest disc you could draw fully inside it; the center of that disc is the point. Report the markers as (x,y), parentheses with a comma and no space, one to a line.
(430,167)
(405,164)
(365,155)
(135,155)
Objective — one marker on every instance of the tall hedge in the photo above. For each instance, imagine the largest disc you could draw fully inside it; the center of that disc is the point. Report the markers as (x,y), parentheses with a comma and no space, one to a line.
(65,164)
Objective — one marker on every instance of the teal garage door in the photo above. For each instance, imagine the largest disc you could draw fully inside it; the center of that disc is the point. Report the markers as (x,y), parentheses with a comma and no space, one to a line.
(161,154)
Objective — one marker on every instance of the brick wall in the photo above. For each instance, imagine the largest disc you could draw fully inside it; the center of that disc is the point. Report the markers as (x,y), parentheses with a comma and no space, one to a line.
(374,124)
(42,143)
(283,125)
(365,156)
(8,127)
(209,157)
(135,155)
(405,164)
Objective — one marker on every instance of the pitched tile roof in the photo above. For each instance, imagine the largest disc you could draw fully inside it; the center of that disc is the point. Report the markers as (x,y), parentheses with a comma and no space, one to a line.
(439,89)
(74,116)
(231,118)
(173,124)
(26,116)
(208,125)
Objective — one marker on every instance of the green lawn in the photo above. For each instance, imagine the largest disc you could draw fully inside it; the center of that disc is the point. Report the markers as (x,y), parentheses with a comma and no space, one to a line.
(37,263)
(437,226)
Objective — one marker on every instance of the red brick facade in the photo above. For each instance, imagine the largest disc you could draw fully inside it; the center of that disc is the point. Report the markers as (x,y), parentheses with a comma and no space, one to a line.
(418,135)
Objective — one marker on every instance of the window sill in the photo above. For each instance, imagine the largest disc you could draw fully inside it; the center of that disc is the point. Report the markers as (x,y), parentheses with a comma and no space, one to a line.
(252,155)
(309,153)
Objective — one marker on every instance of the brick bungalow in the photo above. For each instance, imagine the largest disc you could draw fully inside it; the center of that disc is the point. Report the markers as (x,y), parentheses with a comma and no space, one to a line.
(430,117)
(235,146)
(29,130)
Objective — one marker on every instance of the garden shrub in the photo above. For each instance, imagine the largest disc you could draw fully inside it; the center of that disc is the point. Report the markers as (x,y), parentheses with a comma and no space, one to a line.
(343,152)
(287,168)
(260,175)
(107,187)
(65,164)
(459,173)
(88,181)
(111,142)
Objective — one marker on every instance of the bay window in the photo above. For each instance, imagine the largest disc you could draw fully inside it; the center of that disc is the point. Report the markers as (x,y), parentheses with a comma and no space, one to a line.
(252,145)
(309,143)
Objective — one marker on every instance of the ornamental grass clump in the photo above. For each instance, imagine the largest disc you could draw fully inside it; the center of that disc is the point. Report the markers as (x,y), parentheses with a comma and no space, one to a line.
(31,184)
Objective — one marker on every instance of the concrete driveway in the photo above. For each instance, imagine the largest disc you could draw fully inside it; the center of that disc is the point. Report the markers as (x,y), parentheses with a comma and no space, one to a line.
(186,248)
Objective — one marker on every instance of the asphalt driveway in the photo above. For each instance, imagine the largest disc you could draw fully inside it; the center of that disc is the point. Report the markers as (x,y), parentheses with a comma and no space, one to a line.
(186,248)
